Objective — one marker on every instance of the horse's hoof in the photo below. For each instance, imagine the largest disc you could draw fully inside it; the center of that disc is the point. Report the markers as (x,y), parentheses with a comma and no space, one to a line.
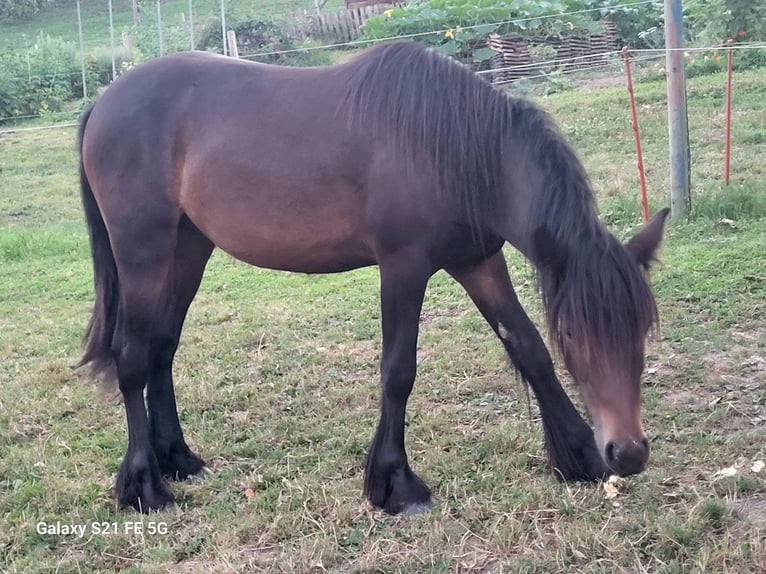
(574,457)
(169,508)
(201,475)
(177,462)
(139,484)
(397,492)
(418,507)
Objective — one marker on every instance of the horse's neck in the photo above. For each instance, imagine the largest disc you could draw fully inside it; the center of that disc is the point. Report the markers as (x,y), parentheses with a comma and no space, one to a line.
(559,200)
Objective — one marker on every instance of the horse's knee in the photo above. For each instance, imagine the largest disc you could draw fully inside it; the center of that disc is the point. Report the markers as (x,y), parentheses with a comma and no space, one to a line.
(398,379)
(164,349)
(539,364)
(132,366)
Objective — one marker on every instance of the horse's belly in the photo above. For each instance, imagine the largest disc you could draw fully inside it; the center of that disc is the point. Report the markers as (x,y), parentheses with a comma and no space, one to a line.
(329,255)
(303,235)
(297,202)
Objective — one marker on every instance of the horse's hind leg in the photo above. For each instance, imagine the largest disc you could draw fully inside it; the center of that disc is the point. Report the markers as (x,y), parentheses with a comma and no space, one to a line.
(143,257)
(192,252)
(571,447)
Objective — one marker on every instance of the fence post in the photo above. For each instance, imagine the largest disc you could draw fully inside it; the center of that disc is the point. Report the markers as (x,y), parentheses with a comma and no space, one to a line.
(111,41)
(159,29)
(678,123)
(223,29)
(636,134)
(82,53)
(727,148)
(136,14)
(191,24)
(231,41)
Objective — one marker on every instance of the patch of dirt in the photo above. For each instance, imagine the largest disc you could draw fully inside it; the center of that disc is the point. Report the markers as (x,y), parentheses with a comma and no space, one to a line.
(756,335)
(258,555)
(357,351)
(733,378)
(686,397)
(753,508)
(435,314)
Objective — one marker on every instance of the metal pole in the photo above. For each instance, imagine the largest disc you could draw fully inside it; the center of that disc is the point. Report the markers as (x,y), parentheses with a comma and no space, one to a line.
(636,134)
(678,124)
(82,53)
(223,29)
(727,147)
(191,24)
(111,40)
(159,29)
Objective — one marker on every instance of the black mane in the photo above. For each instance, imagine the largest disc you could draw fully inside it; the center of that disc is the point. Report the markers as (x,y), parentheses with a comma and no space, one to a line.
(397,91)
(600,294)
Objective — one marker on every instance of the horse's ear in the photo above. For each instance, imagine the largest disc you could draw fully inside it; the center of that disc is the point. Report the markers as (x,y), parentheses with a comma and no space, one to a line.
(643,245)
(549,252)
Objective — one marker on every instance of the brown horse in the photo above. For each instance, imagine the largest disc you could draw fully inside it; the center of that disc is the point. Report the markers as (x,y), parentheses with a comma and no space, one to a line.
(400,158)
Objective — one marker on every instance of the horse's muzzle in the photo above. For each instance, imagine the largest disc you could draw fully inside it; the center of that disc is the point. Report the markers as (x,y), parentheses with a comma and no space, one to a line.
(627,457)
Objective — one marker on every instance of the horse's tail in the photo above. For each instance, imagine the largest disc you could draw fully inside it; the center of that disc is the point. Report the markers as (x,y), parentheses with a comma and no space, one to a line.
(98,335)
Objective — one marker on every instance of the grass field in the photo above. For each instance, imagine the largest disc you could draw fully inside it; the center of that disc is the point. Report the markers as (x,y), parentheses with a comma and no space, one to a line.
(61,20)
(277,388)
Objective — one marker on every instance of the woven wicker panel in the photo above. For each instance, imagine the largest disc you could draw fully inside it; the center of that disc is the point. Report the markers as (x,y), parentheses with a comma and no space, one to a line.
(513,59)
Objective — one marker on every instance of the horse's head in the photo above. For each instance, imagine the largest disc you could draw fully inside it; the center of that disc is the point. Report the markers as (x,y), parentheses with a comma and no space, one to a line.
(601,309)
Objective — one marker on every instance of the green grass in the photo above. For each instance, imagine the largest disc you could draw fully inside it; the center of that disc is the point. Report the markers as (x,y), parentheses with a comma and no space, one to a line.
(61,20)
(277,390)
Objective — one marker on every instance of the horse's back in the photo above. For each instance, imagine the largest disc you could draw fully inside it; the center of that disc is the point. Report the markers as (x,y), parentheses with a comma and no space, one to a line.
(260,158)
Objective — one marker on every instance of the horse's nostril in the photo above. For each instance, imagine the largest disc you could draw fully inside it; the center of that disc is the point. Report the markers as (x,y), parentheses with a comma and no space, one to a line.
(645,443)
(611,452)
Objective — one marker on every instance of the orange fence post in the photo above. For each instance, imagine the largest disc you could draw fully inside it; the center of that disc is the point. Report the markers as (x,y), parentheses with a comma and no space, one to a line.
(637,136)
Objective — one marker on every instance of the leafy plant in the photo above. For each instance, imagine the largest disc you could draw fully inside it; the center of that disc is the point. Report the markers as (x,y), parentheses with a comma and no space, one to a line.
(263,36)
(715,21)
(15,10)
(39,79)
(639,25)
(457,26)
(252,36)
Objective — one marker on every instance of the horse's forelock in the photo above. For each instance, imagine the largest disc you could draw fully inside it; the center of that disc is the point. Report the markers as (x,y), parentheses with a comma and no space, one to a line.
(603,299)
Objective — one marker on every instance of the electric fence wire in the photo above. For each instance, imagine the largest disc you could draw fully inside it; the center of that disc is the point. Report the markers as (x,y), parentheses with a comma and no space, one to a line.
(584,64)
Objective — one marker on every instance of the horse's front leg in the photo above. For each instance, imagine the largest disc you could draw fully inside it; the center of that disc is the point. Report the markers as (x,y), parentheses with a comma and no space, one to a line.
(389,483)
(571,446)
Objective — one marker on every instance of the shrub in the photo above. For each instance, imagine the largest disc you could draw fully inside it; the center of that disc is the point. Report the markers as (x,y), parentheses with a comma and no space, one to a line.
(263,36)
(38,80)
(15,10)
(638,26)
(252,36)
(750,58)
(455,26)
(715,21)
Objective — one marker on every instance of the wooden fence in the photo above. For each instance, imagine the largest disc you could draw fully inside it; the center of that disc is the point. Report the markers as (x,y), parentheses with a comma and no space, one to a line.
(345,25)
